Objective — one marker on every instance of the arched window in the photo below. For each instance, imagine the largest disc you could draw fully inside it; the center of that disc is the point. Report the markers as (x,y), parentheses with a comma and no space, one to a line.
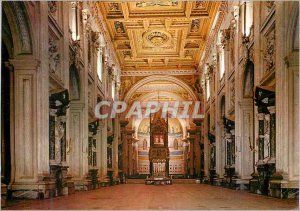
(222,63)
(247,17)
(99,64)
(207,89)
(223,107)
(74,25)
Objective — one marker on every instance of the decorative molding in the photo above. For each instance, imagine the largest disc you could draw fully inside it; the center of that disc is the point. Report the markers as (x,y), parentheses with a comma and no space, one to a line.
(54,55)
(213,33)
(269,51)
(159,72)
(96,12)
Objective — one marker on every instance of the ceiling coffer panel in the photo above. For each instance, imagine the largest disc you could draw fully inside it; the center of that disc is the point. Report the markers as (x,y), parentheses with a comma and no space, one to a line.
(162,34)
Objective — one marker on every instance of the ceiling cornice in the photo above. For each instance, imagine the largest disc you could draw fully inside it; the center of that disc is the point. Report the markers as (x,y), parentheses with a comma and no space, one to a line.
(160,72)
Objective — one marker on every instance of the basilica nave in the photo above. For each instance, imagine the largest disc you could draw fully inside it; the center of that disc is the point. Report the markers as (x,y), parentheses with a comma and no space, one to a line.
(159,104)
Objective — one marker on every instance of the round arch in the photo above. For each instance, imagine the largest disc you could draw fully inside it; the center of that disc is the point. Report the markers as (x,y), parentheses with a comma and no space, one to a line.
(163,93)
(291,27)
(149,79)
(19,25)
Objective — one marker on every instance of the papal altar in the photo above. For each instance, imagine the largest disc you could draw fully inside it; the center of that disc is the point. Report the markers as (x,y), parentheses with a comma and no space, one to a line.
(159,154)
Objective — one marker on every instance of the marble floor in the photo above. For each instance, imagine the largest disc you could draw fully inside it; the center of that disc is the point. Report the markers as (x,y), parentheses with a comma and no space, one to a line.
(142,197)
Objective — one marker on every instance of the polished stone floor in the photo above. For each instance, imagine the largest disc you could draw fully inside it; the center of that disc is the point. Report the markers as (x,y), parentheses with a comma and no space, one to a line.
(176,196)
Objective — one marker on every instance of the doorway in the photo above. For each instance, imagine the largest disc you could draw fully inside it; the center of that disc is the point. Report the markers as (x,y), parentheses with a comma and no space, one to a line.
(5,117)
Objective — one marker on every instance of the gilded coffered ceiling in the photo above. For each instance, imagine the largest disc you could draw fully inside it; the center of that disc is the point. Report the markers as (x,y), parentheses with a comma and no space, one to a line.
(159,34)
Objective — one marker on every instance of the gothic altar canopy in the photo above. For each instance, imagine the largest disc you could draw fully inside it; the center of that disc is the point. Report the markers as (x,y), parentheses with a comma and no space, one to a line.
(159,151)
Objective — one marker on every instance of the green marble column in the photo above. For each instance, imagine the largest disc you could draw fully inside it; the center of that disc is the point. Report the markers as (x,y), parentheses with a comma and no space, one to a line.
(90,151)
(228,151)
(63,143)
(52,137)
(261,136)
(272,131)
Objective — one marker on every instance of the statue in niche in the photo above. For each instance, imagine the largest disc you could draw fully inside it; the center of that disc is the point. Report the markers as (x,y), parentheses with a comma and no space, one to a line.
(175,144)
(145,144)
(58,104)
(59,135)
(172,130)
(54,56)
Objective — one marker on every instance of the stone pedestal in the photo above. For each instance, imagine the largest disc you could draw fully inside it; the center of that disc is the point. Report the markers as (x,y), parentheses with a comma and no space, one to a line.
(93,174)
(70,185)
(218,181)
(212,176)
(3,194)
(240,184)
(253,183)
(105,182)
(281,188)
(35,190)
(83,185)
(59,176)
(229,176)
(264,174)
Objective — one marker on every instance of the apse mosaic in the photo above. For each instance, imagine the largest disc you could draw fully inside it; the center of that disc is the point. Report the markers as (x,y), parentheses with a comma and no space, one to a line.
(176,146)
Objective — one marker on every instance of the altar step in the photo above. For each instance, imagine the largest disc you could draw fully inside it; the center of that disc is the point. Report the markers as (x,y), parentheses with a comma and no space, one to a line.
(184,181)
(135,181)
(174,181)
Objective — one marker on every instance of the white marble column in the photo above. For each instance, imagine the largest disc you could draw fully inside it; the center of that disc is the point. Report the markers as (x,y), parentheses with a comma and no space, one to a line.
(29,165)
(287,92)
(244,140)
(103,168)
(220,150)
(99,148)
(78,152)
(115,148)
(43,99)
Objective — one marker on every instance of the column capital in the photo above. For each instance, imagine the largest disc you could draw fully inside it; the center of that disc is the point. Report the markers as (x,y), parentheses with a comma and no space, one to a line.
(25,64)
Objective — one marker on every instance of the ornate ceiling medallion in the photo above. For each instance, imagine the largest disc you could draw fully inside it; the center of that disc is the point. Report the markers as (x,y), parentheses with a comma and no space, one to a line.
(157,38)
(156,3)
